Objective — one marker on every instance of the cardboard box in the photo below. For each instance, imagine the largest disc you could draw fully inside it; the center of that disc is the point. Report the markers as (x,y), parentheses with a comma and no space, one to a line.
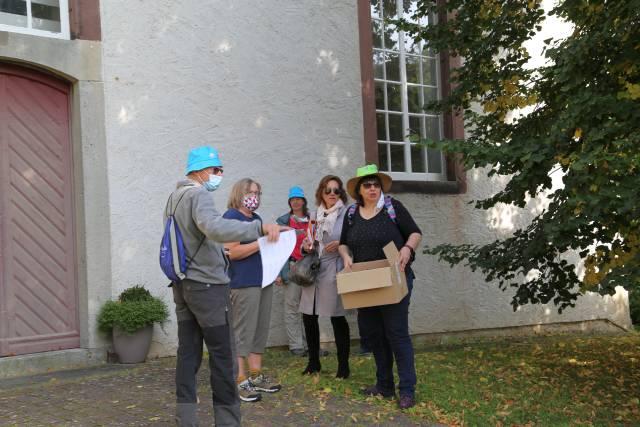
(372,283)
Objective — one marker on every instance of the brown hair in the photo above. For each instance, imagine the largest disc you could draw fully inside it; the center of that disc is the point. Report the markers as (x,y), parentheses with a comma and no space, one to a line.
(323,184)
(238,191)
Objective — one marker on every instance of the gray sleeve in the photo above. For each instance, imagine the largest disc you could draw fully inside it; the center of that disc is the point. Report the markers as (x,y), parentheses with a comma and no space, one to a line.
(211,223)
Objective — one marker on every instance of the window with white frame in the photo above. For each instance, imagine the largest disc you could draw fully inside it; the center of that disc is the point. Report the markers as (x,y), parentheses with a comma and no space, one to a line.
(48,18)
(406,78)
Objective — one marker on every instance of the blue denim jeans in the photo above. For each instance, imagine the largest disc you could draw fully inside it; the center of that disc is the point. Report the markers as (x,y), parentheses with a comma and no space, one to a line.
(386,331)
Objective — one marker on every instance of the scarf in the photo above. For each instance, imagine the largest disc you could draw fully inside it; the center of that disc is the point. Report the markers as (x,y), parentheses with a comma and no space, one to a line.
(326,220)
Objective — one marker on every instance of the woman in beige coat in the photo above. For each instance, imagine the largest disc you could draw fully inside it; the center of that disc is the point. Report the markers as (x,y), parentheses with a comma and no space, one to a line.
(321,298)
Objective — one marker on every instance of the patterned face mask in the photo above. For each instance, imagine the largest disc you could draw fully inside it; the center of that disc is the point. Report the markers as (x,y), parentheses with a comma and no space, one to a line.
(251,202)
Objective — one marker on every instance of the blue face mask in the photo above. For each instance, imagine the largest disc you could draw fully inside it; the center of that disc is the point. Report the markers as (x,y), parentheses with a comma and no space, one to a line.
(213,183)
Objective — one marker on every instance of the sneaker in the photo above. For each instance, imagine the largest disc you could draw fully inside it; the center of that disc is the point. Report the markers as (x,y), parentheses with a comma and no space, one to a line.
(364,351)
(406,401)
(375,391)
(299,352)
(264,383)
(323,353)
(247,392)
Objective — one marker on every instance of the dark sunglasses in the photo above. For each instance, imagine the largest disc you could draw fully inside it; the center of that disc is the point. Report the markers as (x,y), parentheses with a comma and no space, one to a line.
(369,184)
(335,191)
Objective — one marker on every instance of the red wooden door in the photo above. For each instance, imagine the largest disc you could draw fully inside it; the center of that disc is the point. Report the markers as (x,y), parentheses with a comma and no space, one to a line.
(37,257)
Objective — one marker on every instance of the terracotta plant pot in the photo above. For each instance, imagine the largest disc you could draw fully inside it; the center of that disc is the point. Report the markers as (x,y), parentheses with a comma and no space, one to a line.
(132,348)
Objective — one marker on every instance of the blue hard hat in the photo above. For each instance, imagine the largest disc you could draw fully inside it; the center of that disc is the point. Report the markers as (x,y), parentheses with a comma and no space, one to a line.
(201,158)
(296,192)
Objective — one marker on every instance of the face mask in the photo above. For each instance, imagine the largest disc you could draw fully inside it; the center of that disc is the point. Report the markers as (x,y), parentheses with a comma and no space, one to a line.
(213,183)
(251,202)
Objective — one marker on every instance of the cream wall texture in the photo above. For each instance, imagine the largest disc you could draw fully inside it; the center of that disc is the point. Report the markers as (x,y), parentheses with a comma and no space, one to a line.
(275,86)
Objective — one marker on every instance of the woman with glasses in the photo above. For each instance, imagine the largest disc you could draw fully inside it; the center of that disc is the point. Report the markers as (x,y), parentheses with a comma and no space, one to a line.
(250,302)
(369,225)
(321,298)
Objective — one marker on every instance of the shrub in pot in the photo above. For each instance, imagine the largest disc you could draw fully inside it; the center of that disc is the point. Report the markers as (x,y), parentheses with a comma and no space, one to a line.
(130,320)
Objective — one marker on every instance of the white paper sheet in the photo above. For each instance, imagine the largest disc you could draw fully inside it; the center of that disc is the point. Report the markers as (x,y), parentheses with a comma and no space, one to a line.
(275,254)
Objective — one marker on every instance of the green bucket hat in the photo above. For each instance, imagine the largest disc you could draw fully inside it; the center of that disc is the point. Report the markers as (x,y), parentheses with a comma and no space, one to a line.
(368,170)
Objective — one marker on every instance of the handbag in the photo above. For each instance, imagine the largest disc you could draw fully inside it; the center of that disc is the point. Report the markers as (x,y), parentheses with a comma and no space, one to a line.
(305,271)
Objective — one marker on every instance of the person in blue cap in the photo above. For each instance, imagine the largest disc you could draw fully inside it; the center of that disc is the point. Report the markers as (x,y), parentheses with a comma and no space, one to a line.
(202,298)
(298,219)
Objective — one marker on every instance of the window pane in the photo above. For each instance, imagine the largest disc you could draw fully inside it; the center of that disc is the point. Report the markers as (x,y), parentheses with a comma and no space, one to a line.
(429,71)
(414,100)
(375,9)
(417,159)
(380,96)
(45,15)
(396,130)
(376,28)
(390,9)
(433,128)
(378,64)
(392,61)
(397,158)
(381,126)
(430,94)
(393,97)
(383,160)
(13,12)
(413,69)
(434,160)
(415,124)
(391,38)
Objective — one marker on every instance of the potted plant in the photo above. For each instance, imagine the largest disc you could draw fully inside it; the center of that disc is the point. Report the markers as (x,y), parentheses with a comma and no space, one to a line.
(130,320)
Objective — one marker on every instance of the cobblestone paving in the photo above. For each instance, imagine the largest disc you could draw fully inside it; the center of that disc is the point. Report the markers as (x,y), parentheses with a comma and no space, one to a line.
(143,395)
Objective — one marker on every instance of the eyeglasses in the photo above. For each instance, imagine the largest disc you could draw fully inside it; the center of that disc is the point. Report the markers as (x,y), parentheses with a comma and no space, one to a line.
(330,190)
(369,184)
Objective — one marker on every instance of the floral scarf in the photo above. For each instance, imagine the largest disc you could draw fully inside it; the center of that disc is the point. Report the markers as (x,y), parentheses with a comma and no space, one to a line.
(326,220)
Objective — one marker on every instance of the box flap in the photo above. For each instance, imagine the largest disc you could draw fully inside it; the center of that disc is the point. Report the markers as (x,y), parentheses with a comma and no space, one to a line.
(391,252)
(354,281)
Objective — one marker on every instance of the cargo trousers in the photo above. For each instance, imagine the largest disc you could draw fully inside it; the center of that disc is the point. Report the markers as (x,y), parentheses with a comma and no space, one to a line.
(202,311)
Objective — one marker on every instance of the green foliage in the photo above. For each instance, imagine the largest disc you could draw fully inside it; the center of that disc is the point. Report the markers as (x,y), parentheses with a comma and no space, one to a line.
(578,114)
(634,306)
(135,309)
(135,293)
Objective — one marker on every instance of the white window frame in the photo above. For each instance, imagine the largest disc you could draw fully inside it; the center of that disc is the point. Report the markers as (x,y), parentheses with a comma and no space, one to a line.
(64,24)
(408,174)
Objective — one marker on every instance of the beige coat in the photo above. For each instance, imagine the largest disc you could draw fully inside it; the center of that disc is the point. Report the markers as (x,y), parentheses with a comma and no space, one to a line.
(325,292)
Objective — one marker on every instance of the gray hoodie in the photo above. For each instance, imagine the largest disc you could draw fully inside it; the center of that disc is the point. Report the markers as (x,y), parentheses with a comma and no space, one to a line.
(197,217)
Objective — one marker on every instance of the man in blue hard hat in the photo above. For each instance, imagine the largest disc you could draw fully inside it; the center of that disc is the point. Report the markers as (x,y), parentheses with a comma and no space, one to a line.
(202,298)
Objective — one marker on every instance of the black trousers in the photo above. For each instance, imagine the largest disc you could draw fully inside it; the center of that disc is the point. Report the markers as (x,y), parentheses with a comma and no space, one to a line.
(202,311)
(341,336)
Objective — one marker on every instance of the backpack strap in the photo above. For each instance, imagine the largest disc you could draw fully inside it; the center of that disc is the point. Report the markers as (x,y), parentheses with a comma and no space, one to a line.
(389,208)
(166,208)
(350,213)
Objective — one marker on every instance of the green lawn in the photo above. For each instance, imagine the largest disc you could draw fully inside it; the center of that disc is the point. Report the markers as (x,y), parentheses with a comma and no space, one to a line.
(546,381)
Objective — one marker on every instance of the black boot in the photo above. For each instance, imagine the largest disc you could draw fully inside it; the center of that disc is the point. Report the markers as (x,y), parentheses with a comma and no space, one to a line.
(312,331)
(343,344)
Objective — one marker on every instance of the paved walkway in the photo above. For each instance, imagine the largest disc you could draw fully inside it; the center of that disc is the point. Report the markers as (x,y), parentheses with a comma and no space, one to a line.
(142,395)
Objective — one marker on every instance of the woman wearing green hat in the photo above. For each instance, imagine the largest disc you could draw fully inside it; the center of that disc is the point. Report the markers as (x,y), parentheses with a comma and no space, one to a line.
(369,225)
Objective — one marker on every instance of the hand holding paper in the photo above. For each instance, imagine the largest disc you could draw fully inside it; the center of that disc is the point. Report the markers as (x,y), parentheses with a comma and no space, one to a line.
(275,254)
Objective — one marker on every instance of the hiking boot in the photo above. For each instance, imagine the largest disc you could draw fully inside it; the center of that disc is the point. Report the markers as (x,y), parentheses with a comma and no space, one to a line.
(375,391)
(406,401)
(247,392)
(261,382)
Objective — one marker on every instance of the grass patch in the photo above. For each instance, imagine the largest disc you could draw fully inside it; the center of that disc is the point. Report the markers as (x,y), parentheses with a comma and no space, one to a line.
(559,380)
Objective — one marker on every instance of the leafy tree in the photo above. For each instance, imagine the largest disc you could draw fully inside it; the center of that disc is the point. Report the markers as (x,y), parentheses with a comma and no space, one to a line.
(579,113)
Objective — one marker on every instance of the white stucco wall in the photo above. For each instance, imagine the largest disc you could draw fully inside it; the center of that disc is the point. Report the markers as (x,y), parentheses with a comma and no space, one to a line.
(276,87)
